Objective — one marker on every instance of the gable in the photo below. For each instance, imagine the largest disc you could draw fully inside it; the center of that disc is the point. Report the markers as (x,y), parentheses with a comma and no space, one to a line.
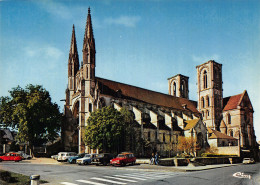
(241,100)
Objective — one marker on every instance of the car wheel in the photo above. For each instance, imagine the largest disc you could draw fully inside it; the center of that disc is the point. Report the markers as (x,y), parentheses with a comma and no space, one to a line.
(133,163)
(123,164)
(85,163)
(1,160)
(105,163)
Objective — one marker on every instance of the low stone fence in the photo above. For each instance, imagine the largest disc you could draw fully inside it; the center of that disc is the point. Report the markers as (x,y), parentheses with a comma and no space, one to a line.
(202,160)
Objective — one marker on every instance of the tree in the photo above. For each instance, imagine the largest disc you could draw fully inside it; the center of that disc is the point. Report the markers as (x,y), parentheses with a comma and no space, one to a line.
(186,144)
(105,128)
(32,113)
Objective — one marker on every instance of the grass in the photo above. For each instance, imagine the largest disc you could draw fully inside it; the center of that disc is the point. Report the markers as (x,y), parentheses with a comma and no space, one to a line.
(10,178)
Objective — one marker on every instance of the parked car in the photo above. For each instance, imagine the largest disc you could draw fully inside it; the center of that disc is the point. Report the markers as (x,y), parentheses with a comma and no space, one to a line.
(123,159)
(63,156)
(72,160)
(87,159)
(24,155)
(102,159)
(248,161)
(55,157)
(11,157)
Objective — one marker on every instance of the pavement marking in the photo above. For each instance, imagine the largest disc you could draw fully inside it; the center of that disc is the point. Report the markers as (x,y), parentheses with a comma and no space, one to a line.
(68,183)
(117,178)
(142,179)
(90,182)
(107,180)
(241,175)
(148,177)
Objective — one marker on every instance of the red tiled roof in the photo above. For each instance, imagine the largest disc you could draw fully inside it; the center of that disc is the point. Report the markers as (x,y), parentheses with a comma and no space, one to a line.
(219,135)
(116,89)
(231,102)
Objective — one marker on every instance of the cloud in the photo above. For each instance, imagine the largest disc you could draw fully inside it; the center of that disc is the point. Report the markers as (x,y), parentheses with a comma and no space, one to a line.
(45,52)
(127,21)
(55,8)
(204,58)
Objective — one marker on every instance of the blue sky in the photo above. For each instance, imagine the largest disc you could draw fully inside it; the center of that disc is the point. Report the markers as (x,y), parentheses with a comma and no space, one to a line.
(138,42)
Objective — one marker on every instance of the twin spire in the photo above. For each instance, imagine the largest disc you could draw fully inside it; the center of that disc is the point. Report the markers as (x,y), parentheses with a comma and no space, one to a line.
(88,44)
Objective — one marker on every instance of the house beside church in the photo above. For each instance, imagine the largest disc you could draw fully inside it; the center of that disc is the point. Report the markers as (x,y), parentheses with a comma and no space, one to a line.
(160,118)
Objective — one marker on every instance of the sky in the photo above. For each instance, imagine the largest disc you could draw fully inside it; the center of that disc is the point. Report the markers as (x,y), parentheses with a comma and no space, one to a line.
(138,42)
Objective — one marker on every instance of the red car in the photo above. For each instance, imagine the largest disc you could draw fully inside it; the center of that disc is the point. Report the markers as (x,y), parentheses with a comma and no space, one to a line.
(123,159)
(11,157)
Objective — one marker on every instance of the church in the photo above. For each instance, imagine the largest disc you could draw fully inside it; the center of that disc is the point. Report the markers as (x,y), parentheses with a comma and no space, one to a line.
(160,118)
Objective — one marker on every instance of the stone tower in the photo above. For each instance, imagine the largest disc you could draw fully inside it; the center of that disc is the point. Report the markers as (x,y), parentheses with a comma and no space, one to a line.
(210,93)
(80,97)
(73,63)
(179,86)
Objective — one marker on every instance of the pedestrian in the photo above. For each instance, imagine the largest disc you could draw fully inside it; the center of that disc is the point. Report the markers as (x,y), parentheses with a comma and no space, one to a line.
(152,159)
(156,158)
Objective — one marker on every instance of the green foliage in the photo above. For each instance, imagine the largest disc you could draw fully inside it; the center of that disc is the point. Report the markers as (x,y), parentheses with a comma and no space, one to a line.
(31,111)
(216,155)
(104,130)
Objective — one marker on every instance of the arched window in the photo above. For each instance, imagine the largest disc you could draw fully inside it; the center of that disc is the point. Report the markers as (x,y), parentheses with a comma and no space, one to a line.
(163,137)
(228,119)
(149,136)
(174,89)
(231,133)
(183,89)
(207,99)
(205,79)
(207,113)
(90,107)
(202,102)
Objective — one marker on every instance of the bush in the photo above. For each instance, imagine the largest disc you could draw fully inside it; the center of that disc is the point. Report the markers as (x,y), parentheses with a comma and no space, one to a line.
(6,176)
(216,155)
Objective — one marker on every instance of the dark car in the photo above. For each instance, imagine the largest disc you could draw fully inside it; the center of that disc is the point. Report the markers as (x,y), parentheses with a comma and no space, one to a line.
(102,159)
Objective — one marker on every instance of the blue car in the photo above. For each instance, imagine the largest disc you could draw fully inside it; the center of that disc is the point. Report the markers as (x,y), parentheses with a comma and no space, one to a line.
(72,160)
(87,159)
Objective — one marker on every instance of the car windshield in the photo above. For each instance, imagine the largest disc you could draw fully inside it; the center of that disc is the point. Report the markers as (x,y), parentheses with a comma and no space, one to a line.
(87,155)
(100,155)
(81,155)
(121,155)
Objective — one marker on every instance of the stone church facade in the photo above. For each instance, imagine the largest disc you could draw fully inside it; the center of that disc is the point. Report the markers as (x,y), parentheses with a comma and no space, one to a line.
(160,118)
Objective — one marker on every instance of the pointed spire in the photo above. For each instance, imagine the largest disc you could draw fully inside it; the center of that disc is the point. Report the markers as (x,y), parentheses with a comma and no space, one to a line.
(89,37)
(73,55)
(73,45)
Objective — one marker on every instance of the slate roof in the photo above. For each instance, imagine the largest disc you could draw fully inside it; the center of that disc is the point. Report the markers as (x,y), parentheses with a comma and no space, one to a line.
(120,90)
(218,135)
(191,124)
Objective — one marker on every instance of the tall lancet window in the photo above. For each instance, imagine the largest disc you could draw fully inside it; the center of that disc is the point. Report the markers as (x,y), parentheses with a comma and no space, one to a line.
(202,102)
(174,89)
(205,80)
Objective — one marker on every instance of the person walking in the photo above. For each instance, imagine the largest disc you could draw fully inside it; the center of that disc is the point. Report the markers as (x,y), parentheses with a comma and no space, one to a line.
(152,159)
(156,158)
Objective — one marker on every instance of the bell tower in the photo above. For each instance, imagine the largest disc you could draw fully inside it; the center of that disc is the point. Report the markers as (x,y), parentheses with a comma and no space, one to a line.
(210,93)
(179,86)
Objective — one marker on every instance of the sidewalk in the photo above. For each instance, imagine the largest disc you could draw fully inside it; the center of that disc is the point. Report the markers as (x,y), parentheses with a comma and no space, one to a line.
(143,166)
(42,160)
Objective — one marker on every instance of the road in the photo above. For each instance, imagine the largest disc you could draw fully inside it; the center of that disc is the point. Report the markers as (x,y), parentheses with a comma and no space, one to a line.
(98,175)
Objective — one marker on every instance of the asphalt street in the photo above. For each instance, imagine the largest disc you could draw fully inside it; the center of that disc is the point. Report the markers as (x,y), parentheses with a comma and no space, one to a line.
(99,175)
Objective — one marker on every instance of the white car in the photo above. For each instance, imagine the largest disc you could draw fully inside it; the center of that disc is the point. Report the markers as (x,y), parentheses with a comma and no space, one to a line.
(63,156)
(248,161)
(87,159)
